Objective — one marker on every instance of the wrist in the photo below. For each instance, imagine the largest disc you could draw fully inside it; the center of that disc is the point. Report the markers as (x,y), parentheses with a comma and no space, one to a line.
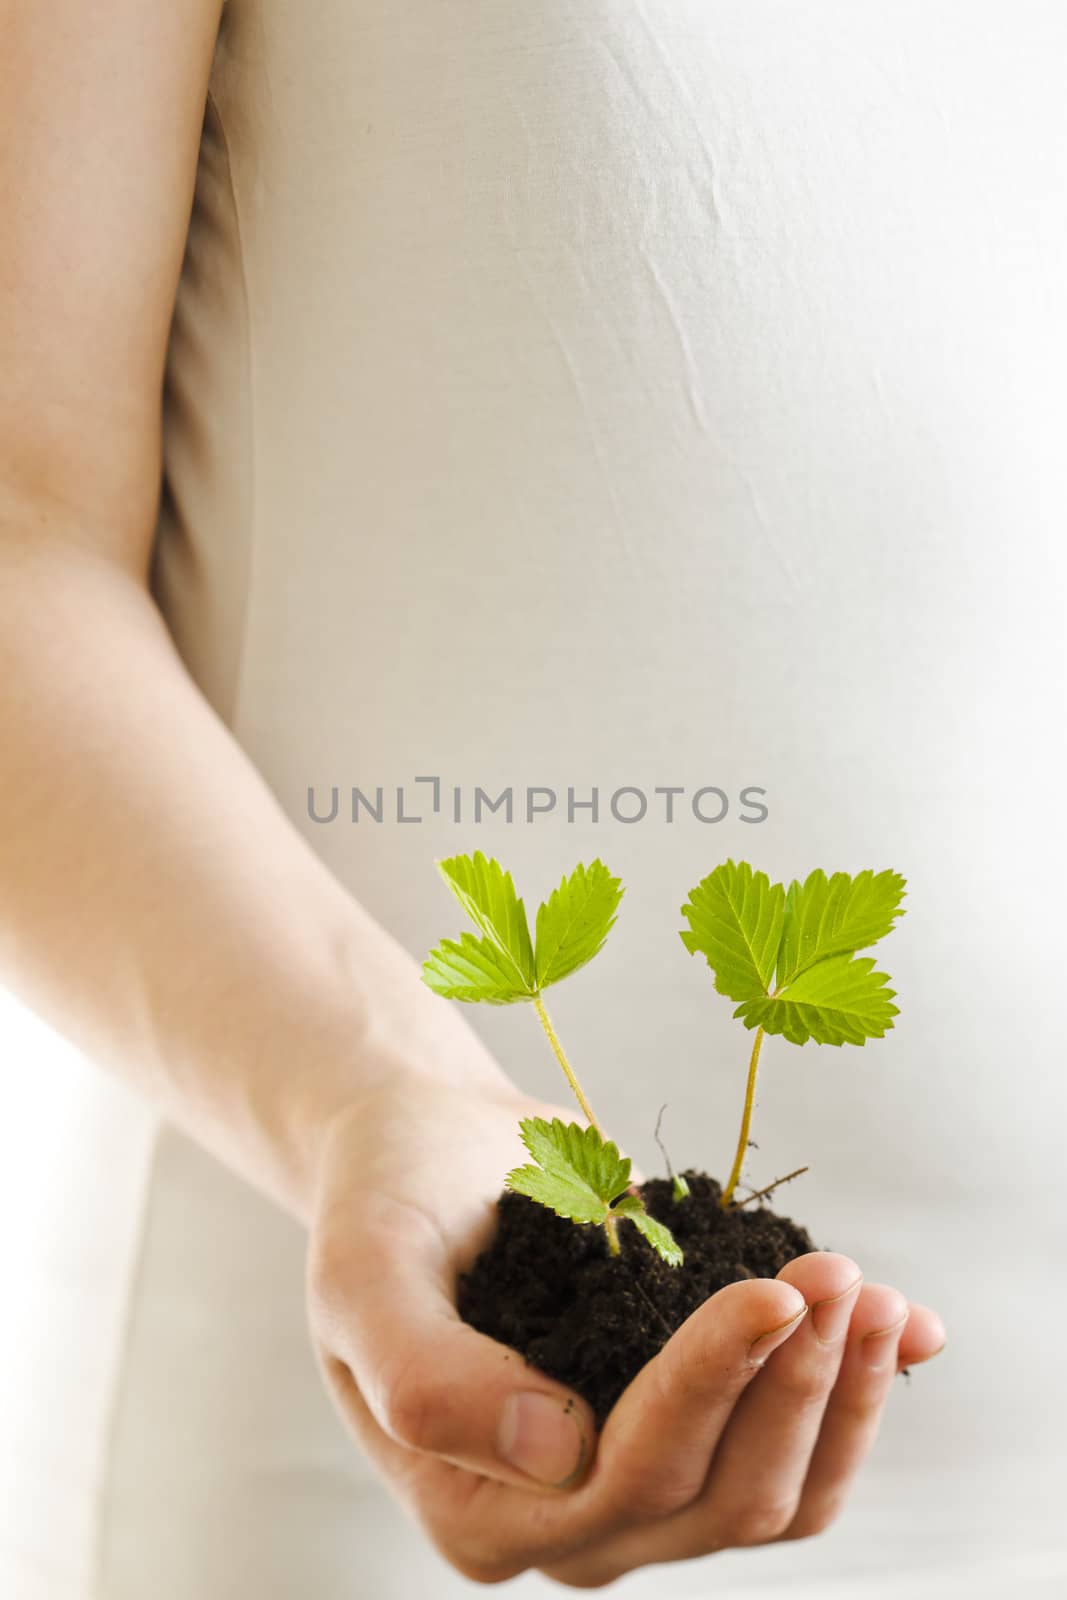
(388,1053)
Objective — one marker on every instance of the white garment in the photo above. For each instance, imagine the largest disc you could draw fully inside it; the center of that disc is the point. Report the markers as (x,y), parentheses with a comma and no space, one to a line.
(648,393)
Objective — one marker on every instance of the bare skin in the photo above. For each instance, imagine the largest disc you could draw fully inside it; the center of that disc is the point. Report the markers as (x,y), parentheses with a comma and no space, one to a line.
(144,861)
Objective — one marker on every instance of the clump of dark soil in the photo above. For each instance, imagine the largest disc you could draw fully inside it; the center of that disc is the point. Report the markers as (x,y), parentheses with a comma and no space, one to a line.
(551,1291)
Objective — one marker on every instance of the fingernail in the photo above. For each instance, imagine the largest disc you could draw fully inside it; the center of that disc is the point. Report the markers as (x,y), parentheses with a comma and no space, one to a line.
(542,1437)
(765,1344)
(880,1347)
(830,1318)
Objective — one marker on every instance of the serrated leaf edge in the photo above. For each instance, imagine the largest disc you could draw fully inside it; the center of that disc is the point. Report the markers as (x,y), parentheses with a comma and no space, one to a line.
(480,862)
(587,870)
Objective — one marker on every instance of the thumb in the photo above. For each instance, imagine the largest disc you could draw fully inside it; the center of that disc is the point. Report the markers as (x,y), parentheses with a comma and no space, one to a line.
(383,1304)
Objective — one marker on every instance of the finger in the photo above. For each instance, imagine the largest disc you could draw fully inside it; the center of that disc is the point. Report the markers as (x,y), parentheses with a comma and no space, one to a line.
(923,1337)
(758,1474)
(756,1478)
(596,1561)
(382,1305)
(656,1444)
(854,1412)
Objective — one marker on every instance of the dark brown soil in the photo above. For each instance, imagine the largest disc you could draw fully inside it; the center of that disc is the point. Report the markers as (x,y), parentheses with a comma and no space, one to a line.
(551,1291)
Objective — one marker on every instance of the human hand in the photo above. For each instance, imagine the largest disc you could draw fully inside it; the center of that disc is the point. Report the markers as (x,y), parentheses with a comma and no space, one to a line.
(748,1427)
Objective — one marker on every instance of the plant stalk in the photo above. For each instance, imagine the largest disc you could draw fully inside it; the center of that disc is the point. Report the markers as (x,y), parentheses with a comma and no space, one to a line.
(611,1226)
(568,1071)
(746,1122)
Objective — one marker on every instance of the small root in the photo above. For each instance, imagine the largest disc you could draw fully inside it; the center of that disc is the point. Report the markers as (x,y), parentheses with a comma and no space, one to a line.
(650,1303)
(761,1194)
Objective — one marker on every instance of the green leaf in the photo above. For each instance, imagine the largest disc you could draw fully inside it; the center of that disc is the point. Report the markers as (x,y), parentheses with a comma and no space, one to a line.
(570,1200)
(471,969)
(567,1147)
(487,895)
(659,1237)
(735,920)
(834,916)
(578,1172)
(580,1175)
(839,1001)
(574,921)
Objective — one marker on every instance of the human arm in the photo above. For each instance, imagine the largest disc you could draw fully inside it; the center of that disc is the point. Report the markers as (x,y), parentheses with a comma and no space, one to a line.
(156,905)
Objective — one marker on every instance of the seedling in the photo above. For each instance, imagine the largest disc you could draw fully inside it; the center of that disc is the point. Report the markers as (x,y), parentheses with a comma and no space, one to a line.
(576,1171)
(788,957)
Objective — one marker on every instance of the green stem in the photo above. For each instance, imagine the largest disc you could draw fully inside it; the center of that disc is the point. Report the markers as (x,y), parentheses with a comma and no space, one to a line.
(568,1070)
(746,1122)
(611,1226)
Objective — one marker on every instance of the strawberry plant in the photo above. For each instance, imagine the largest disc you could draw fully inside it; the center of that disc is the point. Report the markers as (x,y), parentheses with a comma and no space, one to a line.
(788,958)
(576,1172)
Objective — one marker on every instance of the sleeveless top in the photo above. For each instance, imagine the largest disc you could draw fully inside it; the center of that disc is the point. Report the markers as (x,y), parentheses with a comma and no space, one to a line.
(629,428)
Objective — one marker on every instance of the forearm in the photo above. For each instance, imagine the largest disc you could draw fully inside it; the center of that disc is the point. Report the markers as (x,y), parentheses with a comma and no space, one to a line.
(156,904)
